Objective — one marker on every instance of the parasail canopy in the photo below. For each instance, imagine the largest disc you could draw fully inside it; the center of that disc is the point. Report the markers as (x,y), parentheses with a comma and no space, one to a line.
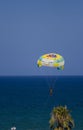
(51,60)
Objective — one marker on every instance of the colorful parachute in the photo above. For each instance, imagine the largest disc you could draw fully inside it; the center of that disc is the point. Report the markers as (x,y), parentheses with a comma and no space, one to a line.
(51,60)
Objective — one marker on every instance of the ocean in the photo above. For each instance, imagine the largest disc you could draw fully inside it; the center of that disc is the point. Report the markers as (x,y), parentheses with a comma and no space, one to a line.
(25,102)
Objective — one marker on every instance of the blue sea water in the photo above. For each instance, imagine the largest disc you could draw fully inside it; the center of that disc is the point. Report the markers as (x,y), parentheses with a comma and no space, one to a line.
(25,102)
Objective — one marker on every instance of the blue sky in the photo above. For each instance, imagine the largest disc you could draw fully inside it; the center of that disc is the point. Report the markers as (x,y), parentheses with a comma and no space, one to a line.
(30,28)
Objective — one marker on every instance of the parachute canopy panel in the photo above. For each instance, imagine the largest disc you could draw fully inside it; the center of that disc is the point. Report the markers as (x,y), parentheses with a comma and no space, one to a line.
(51,60)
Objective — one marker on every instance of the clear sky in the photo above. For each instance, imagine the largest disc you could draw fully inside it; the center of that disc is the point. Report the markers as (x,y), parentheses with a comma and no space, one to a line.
(30,28)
